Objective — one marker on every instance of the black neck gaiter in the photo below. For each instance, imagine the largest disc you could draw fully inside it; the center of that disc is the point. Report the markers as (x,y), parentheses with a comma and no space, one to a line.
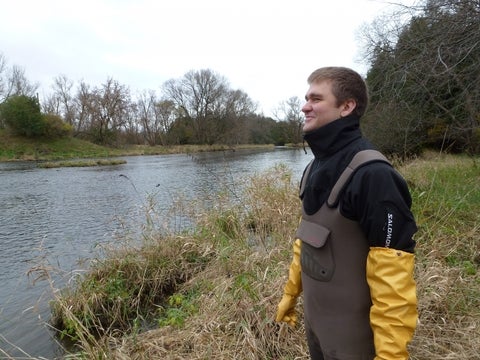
(333,146)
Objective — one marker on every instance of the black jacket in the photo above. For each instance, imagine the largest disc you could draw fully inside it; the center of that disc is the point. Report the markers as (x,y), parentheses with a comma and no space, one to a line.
(377,196)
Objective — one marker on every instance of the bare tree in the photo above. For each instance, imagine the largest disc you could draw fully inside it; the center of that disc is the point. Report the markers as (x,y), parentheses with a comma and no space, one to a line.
(132,133)
(108,109)
(215,111)
(290,112)
(62,88)
(164,111)
(51,105)
(18,84)
(199,96)
(83,103)
(155,116)
(14,82)
(232,126)
(3,78)
(145,115)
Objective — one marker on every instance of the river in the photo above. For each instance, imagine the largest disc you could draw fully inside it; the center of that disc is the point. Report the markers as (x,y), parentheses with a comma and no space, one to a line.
(53,219)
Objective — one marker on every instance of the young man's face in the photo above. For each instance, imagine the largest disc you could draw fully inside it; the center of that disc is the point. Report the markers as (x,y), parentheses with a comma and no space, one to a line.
(321,106)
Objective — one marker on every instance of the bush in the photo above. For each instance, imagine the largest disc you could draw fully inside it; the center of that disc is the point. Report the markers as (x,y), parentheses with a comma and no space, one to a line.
(55,127)
(22,115)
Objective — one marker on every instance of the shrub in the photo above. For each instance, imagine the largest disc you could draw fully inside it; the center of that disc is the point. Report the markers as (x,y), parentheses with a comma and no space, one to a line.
(55,127)
(22,115)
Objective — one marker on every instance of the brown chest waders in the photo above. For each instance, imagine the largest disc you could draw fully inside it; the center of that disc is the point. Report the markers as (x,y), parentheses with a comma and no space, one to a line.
(333,260)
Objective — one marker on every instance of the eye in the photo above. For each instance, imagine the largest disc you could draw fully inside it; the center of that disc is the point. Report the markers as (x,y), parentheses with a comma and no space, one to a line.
(313,98)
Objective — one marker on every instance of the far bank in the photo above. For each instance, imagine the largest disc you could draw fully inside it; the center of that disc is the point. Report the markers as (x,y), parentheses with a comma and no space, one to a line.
(16,148)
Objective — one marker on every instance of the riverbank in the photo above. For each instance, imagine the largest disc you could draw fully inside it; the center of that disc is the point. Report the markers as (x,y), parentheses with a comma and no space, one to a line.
(15,148)
(212,292)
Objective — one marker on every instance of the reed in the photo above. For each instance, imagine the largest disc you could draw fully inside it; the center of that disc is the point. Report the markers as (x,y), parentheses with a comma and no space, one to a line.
(81,163)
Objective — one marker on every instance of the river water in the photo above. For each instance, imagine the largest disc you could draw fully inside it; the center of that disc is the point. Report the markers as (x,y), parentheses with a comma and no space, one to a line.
(52,219)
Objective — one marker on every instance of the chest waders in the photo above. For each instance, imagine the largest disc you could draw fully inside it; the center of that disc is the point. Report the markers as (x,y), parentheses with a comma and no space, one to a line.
(333,260)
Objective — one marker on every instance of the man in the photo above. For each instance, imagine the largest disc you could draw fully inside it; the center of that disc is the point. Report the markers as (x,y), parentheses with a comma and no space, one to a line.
(353,256)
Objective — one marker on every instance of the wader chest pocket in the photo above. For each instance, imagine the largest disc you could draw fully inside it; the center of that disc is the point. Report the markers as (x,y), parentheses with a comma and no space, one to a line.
(316,256)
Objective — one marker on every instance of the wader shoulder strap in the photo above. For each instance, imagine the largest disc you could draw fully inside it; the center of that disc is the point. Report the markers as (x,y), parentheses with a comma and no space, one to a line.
(360,159)
(305,176)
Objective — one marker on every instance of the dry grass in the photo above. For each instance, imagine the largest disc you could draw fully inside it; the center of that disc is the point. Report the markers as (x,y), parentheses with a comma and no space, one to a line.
(212,293)
(81,163)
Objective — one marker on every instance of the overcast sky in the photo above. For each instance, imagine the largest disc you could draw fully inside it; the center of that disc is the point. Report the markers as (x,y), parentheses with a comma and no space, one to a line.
(265,48)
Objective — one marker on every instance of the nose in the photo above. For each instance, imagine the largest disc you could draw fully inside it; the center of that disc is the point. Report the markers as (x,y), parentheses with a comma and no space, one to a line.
(306,107)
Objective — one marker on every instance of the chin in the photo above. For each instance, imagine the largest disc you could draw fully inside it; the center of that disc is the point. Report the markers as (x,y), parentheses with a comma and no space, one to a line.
(308,128)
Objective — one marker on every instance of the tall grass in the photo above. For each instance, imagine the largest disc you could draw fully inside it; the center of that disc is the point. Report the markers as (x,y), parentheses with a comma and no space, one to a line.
(212,292)
(446,195)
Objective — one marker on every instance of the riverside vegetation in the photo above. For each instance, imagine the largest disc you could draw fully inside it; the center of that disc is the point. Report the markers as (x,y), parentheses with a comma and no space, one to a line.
(73,152)
(211,292)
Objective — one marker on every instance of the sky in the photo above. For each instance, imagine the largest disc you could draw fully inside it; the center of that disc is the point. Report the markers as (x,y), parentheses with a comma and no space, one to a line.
(265,48)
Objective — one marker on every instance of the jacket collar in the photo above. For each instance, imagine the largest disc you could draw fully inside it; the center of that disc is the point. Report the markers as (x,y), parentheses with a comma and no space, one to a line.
(333,136)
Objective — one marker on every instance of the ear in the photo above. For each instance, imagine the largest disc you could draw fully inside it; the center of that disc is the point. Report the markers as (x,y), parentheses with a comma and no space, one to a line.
(347,107)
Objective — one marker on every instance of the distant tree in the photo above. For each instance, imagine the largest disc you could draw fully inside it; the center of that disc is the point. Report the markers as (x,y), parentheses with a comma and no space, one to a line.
(83,99)
(18,84)
(181,131)
(108,107)
(21,114)
(155,117)
(290,112)
(164,115)
(13,81)
(236,108)
(144,110)
(131,132)
(62,93)
(205,99)
(3,84)
(262,129)
(198,95)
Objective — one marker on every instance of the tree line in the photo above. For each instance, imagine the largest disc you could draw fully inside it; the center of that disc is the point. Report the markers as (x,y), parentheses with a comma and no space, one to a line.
(198,108)
(423,79)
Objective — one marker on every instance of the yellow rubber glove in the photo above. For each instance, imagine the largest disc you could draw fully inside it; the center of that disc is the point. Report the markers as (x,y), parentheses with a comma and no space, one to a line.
(293,288)
(393,315)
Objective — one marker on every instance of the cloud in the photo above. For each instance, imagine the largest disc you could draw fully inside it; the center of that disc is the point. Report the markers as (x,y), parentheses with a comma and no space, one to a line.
(267,49)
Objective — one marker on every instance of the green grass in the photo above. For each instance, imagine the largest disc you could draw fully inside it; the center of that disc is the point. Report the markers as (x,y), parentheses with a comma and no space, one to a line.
(14,148)
(212,293)
(446,198)
(20,148)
